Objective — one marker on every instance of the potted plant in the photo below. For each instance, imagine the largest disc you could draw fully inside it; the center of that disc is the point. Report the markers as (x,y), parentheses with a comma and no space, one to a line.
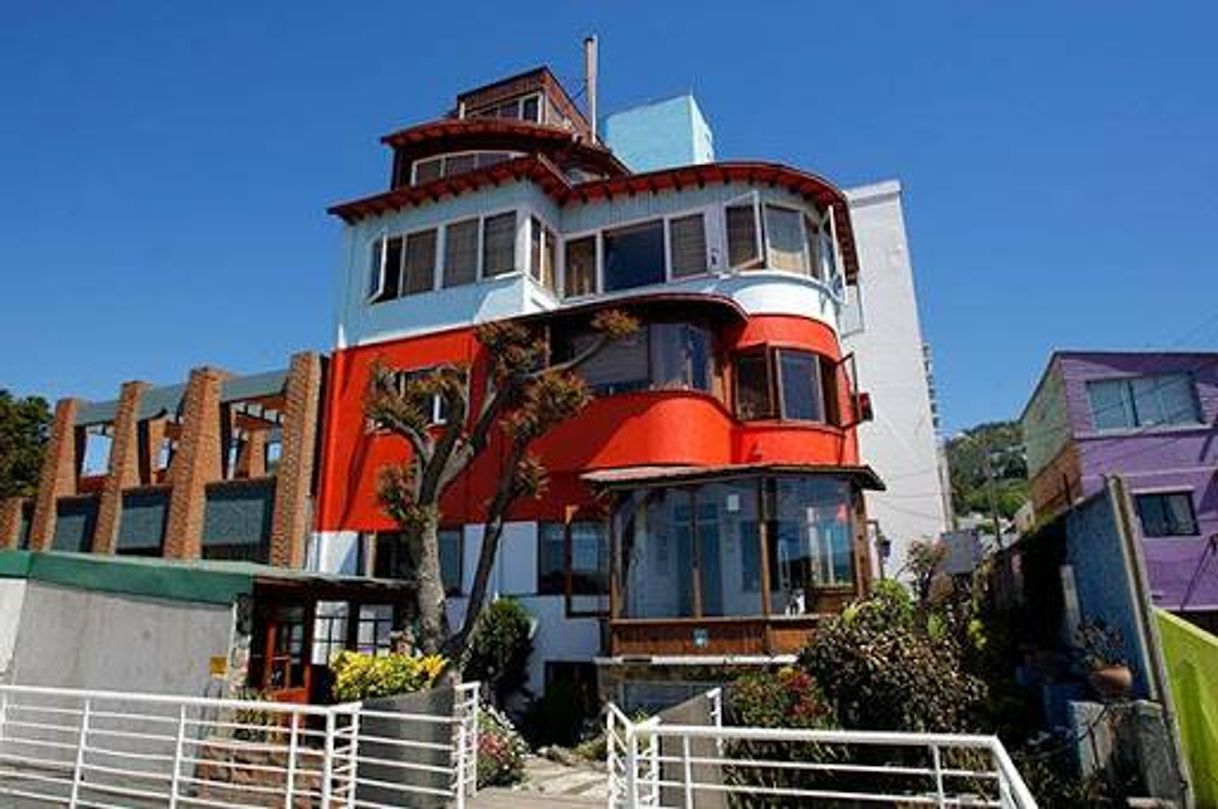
(1102,652)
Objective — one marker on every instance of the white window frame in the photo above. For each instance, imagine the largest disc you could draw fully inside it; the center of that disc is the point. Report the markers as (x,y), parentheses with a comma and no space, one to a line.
(754,198)
(531,214)
(623,225)
(837,281)
(370,296)
(518,211)
(443,158)
(708,235)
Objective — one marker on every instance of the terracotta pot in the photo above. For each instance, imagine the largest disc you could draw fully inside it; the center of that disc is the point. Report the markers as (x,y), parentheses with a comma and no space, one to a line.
(1112,682)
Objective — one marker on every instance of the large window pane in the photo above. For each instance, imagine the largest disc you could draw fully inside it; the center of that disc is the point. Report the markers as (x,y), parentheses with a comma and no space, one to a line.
(551,558)
(1111,404)
(811,539)
(785,236)
(541,253)
(450,560)
(728,548)
(658,555)
(419,270)
(634,256)
(427,170)
(461,253)
(753,399)
(1165,515)
(743,241)
(589,558)
(680,357)
(499,244)
(799,384)
(687,237)
(619,367)
(391,270)
(812,233)
(459,164)
(1164,399)
(580,272)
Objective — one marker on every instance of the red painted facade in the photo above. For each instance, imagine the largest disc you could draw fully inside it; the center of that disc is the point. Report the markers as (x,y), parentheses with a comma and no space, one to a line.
(644,428)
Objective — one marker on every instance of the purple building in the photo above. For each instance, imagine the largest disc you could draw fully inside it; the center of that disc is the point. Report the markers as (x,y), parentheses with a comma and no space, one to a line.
(1151,417)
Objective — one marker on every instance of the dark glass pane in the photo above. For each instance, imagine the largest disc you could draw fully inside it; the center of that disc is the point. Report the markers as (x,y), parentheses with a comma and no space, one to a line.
(589,559)
(680,357)
(786,239)
(529,109)
(427,170)
(799,378)
(461,253)
(634,256)
(499,244)
(753,387)
(450,560)
(580,274)
(419,270)
(743,248)
(551,539)
(688,239)
(392,269)
(459,164)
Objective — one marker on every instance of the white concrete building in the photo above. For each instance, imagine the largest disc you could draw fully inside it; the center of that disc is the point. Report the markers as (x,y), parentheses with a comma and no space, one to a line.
(880,325)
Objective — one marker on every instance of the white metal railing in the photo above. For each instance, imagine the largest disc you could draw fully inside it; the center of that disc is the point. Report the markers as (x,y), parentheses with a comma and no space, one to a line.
(652,764)
(113,750)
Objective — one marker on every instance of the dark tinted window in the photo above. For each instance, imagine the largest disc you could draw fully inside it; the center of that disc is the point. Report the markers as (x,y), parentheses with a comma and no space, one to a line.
(799,384)
(753,387)
(634,256)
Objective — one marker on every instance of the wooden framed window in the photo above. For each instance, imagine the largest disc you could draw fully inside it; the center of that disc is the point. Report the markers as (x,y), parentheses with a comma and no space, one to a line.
(754,396)
(461,253)
(579,267)
(499,244)
(687,245)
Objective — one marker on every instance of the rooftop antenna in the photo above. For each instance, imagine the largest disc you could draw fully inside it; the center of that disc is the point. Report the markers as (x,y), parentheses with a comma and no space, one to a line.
(590,58)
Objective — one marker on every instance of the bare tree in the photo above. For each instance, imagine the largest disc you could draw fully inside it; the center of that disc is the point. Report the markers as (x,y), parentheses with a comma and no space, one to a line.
(521,395)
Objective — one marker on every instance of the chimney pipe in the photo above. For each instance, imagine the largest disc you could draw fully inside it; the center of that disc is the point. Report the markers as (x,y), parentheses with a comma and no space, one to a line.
(590,68)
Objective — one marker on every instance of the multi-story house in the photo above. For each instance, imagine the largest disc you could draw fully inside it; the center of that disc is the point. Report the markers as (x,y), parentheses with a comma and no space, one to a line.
(707,506)
(1152,418)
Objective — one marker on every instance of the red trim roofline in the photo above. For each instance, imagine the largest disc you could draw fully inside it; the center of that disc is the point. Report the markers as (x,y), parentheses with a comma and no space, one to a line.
(550,179)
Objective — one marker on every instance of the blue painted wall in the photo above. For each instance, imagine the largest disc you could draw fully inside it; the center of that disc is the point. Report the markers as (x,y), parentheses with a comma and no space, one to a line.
(668,133)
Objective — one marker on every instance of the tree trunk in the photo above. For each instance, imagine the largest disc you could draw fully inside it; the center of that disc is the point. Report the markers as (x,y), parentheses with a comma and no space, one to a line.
(433,617)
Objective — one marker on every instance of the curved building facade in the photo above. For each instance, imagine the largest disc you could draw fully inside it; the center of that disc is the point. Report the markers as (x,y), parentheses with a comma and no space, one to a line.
(707,505)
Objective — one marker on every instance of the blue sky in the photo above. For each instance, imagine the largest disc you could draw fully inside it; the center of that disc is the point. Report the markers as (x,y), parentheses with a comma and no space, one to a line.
(166,166)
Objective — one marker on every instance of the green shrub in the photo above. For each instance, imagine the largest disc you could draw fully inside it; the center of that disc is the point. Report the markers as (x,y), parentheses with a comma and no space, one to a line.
(360,676)
(882,668)
(499,650)
(501,749)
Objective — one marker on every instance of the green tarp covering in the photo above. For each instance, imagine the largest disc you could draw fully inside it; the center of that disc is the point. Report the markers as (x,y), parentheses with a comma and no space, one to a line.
(1191,656)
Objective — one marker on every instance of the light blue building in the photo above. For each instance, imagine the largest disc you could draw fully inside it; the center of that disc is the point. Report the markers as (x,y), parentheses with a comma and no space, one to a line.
(660,135)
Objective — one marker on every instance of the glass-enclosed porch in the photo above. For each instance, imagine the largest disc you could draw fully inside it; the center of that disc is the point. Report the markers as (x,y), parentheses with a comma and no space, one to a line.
(733,563)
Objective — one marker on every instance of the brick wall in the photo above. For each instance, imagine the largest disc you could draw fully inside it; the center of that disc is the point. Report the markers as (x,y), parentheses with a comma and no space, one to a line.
(59,472)
(292,517)
(196,463)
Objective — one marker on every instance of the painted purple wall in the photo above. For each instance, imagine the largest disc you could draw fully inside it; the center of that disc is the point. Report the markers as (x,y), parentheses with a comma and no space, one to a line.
(1168,458)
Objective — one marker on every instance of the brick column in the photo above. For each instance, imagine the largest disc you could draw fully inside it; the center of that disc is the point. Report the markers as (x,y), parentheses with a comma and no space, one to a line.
(124,467)
(251,459)
(294,477)
(59,473)
(10,521)
(196,463)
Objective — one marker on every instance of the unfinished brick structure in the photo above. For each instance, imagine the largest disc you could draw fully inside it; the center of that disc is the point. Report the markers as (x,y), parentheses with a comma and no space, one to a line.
(221,468)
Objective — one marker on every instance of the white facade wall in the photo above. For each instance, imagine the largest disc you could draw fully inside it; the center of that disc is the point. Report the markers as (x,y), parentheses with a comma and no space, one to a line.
(901,444)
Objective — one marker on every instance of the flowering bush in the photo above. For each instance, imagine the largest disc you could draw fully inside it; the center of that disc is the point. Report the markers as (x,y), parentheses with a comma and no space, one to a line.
(363,676)
(787,698)
(501,749)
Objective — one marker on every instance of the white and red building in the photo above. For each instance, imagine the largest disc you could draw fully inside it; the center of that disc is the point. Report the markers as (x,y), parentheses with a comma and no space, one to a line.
(707,507)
